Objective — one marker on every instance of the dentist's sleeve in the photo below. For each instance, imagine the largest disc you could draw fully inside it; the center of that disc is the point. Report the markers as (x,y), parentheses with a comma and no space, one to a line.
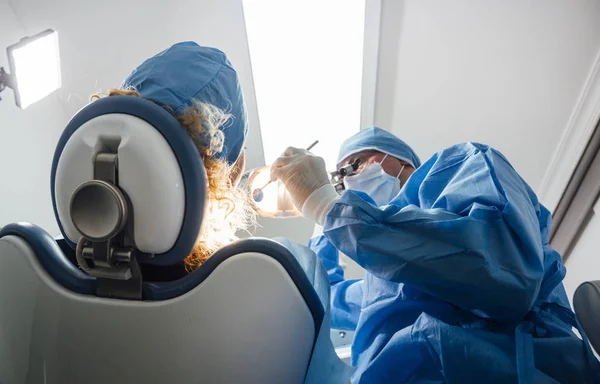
(478,246)
(346,295)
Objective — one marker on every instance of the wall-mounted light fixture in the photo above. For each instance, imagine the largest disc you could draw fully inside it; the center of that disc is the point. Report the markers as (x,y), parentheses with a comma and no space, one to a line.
(34,64)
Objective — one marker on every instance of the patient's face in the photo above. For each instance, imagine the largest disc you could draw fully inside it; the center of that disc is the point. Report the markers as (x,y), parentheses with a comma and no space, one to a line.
(238,169)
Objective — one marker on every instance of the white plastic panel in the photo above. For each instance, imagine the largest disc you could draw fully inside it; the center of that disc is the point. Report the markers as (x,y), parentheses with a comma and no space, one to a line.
(246,323)
(148,173)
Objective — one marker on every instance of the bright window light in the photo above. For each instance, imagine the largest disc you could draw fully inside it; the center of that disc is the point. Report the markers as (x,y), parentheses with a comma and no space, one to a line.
(307,66)
(35,67)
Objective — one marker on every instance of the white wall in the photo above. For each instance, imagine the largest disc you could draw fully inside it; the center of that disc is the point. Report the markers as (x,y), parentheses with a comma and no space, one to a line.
(27,139)
(505,73)
(100,43)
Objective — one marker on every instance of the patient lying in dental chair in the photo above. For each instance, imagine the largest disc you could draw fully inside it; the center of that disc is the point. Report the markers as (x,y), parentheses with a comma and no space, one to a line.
(201,89)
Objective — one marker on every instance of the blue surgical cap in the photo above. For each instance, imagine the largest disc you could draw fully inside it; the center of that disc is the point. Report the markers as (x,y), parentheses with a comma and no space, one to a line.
(378,139)
(187,72)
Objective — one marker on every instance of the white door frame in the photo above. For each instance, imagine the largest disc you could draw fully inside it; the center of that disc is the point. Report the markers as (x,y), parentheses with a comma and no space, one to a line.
(574,140)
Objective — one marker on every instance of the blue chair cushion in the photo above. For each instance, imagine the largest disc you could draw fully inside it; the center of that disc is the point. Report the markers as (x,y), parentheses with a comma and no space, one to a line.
(51,257)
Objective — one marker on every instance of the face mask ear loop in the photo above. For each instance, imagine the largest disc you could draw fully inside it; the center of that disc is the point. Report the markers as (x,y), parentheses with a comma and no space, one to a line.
(401,169)
(382,160)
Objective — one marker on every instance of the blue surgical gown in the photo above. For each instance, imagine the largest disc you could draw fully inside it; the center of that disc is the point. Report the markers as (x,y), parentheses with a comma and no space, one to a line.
(461,284)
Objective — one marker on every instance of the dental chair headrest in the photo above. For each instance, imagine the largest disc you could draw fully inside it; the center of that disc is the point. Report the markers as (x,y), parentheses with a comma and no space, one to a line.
(159,171)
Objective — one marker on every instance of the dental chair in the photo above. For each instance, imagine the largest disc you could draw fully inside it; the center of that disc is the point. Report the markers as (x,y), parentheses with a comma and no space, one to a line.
(586,302)
(129,192)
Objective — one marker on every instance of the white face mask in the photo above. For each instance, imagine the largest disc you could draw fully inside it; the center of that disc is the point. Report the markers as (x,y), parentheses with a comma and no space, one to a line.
(376,183)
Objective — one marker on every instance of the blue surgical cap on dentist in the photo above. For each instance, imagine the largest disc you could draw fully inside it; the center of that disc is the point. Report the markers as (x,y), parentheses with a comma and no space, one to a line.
(378,139)
(188,72)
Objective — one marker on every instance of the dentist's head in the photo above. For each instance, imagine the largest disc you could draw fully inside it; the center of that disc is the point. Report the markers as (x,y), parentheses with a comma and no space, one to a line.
(385,163)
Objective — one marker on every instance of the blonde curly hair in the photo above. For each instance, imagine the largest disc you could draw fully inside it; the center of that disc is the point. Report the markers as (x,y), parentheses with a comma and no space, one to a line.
(229,208)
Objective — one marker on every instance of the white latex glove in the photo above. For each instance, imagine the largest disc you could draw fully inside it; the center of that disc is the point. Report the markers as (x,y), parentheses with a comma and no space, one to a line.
(303,174)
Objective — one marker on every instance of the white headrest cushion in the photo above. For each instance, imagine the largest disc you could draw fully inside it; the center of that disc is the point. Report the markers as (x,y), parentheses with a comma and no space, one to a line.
(148,173)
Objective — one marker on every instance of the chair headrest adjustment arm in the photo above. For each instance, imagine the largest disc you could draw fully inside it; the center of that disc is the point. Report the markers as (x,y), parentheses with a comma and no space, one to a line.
(103,215)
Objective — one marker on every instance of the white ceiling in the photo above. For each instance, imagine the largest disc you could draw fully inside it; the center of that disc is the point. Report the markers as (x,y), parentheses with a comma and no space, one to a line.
(504,73)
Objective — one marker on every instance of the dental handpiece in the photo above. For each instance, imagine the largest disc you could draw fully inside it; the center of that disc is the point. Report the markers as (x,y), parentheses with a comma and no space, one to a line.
(258,194)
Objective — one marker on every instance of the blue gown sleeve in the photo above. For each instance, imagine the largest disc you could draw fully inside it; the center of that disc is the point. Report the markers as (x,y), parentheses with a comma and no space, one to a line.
(346,295)
(465,229)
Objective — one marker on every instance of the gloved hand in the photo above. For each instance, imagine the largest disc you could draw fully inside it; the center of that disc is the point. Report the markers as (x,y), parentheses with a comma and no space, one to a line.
(302,173)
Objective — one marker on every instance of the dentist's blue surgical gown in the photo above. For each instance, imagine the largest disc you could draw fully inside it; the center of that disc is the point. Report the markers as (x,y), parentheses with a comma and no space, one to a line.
(461,284)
